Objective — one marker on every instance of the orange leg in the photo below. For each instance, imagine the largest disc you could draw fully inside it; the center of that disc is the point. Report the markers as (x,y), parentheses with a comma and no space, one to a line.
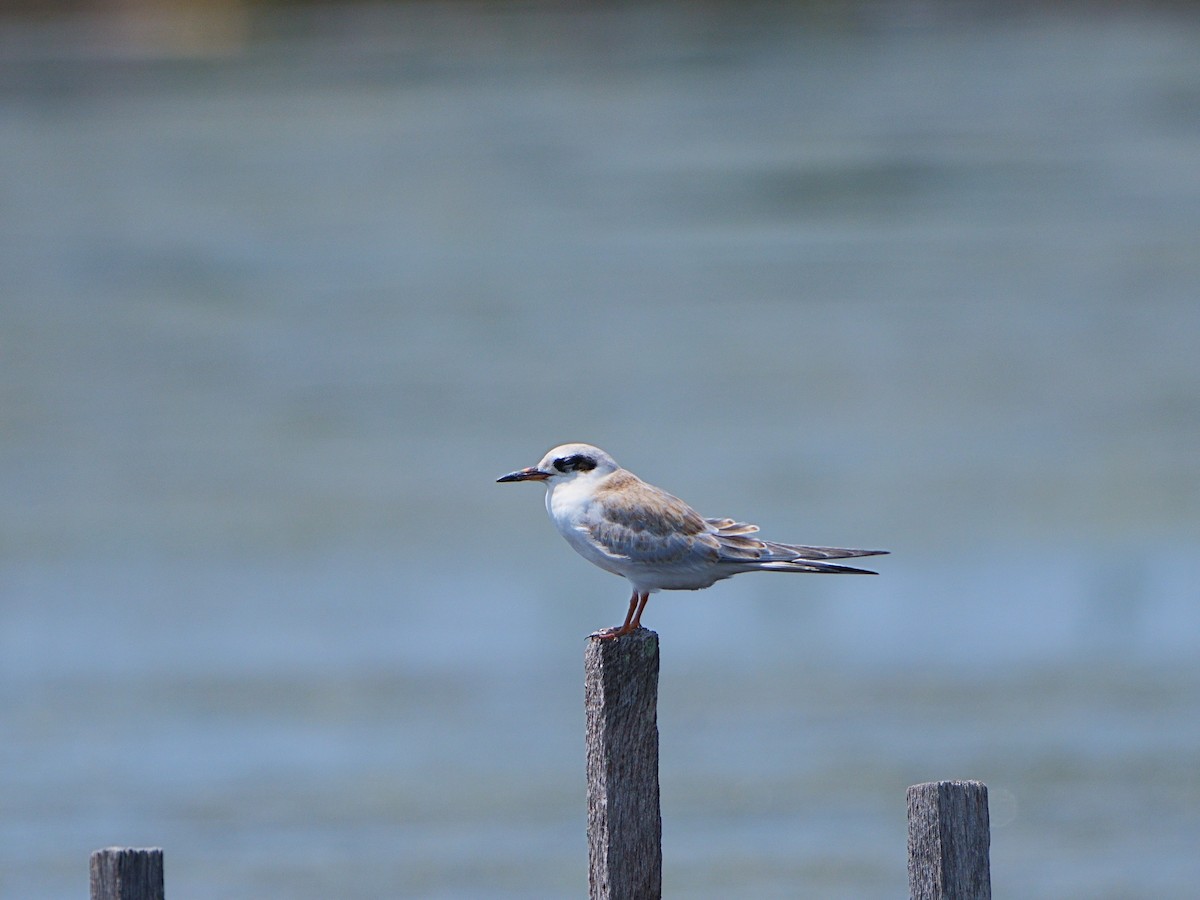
(637,616)
(633,618)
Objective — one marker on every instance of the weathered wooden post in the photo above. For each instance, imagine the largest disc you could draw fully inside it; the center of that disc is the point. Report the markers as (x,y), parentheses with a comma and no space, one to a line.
(624,819)
(948,841)
(123,873)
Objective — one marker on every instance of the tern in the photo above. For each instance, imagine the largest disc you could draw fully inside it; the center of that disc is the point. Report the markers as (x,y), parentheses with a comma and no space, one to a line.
(653,539)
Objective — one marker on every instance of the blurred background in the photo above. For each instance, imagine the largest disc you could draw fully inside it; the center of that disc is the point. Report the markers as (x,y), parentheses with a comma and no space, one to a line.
(285,288)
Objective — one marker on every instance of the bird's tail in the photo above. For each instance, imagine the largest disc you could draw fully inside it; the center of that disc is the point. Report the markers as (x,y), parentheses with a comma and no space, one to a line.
(799,551)
(799,565)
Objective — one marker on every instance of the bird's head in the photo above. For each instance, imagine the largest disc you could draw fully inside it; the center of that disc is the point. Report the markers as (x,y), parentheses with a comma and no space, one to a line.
(566,463)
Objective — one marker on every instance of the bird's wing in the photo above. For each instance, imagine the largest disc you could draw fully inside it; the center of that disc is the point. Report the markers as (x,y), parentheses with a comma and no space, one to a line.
(637,521)
(633,520)
(736,546)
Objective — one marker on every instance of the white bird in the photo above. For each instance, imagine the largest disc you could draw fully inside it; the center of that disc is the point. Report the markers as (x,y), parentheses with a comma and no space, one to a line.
(630,528)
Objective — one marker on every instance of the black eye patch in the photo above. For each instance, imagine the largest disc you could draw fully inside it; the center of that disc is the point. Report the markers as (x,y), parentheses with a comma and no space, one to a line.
(575,463)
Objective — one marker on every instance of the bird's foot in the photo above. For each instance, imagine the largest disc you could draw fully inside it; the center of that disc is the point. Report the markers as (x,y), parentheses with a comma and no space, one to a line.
(611,634)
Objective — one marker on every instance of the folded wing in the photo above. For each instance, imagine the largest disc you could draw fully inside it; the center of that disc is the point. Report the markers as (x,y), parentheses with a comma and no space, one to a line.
(654,528)
(736,547)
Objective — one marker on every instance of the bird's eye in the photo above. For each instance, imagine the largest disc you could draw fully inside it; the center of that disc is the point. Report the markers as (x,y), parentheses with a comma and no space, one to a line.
(575,463)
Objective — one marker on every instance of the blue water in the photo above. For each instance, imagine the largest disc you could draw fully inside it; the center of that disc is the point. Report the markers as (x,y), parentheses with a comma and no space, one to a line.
(281,301)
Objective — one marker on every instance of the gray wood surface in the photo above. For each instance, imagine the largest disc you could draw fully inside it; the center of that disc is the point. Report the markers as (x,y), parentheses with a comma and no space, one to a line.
(124,873)
(624,818)
(949,838)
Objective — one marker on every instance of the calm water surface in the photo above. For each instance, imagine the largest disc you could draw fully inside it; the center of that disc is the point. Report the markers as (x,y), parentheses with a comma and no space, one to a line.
(278,308)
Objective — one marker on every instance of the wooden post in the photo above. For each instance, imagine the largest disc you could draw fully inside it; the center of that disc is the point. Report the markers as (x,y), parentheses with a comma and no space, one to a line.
(624,819)
(948,841)
(123,873)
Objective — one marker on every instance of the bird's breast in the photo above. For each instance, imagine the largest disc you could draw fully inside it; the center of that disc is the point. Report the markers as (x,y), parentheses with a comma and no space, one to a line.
(568,505)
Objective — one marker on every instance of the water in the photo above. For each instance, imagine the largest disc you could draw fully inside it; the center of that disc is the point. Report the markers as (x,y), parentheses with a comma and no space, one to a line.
(281,304)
